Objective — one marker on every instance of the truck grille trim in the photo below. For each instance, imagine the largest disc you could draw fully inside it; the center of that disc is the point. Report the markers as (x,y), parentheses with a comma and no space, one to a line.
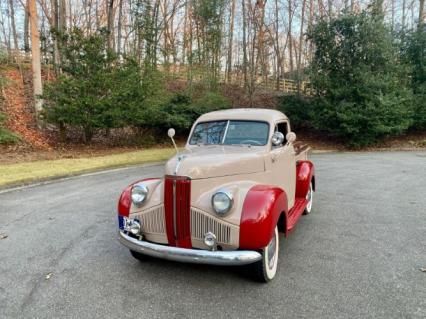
(152,220)
(201,223)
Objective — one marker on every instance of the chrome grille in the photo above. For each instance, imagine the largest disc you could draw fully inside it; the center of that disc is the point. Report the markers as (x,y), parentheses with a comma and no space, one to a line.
(201,223)
(152,220)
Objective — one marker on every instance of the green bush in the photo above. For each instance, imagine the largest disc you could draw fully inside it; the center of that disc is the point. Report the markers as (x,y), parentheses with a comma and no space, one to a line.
(298,109)
(361,95)
(414,54)
(98,91)
(181,110)
(6,136)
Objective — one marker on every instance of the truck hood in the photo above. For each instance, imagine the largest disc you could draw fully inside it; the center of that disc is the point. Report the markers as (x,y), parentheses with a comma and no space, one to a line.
(216,161)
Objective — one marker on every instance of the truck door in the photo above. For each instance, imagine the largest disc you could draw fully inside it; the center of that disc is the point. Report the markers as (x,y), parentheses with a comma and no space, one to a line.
(283,164)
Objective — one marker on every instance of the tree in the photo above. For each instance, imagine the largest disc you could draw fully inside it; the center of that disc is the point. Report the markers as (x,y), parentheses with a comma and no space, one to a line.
(230,42)
(361,89)
(414,54)
(35,56)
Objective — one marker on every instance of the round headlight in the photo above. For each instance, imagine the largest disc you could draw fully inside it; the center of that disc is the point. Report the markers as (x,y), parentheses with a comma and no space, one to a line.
(139,193)
(222,202)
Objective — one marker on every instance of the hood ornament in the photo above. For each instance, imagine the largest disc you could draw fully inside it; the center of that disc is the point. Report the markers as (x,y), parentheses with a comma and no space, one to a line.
(178,162)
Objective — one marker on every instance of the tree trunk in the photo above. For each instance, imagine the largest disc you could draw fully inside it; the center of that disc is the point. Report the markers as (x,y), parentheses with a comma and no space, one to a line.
(403,13)
(261,56)
(185,33)
(244,43)
(277,48)
(330,9)
(62,22)
(120,18)
(290,38)
(421,12)
(55,14)
(13,25)
(299,60)
(110,25)
(35,59)
(230,42)
(26,29)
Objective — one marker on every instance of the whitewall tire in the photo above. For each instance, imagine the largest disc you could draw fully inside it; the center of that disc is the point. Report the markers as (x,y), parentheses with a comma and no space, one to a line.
(265,269)
(310,199)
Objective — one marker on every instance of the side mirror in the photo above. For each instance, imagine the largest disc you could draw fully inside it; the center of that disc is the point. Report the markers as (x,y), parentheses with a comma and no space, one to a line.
(171,132)
(277,139)
(291,137)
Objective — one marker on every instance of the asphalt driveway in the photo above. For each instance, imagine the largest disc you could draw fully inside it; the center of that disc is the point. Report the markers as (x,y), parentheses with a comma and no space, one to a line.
(358,255)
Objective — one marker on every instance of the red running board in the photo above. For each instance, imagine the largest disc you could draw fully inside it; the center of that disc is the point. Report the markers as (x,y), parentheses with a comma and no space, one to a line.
(295,213)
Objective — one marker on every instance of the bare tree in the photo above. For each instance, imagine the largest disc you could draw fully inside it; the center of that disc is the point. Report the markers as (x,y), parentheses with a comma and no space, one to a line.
(299,60)
(231,39)
(110,23)
(119,26)
(35,56)
(277,47)
(245,61)
(13,25)
(290,34)
(404,6)
(26,28)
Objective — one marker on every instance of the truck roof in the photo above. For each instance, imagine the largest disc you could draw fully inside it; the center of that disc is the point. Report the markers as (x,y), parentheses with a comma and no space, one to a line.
(250,114)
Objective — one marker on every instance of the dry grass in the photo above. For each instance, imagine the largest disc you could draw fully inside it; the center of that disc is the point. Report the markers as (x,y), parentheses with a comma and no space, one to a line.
(21,173)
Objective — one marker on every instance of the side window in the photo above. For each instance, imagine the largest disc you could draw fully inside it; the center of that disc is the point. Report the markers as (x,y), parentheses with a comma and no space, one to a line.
(283,128)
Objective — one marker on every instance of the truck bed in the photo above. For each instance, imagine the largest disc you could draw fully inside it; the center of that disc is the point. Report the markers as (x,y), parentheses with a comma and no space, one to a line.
(301,151)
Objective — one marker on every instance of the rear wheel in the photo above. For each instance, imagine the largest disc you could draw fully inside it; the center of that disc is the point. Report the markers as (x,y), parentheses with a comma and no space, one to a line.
(265,269)
(310,199)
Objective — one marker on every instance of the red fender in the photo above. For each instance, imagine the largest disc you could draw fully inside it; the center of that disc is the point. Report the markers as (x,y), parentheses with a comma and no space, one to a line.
(124,202)
(305,171)
(262,208)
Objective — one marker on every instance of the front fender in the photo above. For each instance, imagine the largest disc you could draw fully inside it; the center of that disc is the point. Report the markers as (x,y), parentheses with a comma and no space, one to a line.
(262,208)
(125,204)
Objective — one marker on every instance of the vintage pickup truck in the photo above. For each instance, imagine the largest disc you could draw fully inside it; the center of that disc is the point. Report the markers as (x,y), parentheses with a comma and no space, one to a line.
(241,180)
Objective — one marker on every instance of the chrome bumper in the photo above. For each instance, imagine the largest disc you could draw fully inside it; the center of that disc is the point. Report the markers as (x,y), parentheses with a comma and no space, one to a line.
(223,258)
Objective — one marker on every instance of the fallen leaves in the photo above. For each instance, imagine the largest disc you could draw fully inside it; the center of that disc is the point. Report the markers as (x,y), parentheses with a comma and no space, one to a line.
(20,113)
(3,236)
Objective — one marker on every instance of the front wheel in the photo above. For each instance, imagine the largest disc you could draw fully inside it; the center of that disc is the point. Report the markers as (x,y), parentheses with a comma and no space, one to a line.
(265,269)
(138,256)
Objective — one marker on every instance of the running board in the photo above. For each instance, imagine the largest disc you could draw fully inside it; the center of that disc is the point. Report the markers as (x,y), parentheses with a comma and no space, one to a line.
(295,213)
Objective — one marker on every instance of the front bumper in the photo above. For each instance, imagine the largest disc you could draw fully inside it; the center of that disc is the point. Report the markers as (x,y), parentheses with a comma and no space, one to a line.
(197,256)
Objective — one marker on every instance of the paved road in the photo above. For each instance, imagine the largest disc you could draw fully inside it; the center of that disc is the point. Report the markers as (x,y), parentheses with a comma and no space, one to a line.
(357,255)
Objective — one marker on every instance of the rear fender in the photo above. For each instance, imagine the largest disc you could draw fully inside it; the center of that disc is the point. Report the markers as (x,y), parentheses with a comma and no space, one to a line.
(305,172)
(261,211)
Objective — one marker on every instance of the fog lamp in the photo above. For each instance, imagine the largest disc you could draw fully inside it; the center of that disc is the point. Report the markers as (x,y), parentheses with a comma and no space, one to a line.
(133,226)
(210,240)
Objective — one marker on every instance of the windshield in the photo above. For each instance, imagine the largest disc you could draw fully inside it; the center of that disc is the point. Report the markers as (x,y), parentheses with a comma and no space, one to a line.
(231,133)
